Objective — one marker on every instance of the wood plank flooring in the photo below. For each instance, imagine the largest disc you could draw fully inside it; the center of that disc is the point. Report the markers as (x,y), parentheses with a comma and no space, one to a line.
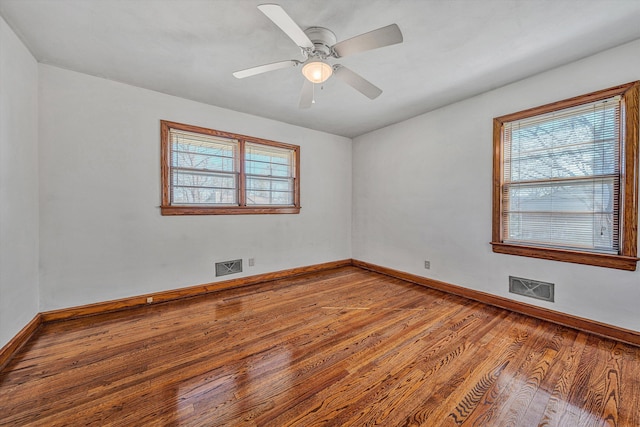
(346,347)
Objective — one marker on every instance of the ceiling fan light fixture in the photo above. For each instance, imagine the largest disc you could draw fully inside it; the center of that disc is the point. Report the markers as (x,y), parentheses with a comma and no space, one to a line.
(317,71)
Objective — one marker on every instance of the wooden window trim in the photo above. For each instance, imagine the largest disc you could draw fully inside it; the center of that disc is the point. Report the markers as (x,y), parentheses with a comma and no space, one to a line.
(166,208)
(627,257)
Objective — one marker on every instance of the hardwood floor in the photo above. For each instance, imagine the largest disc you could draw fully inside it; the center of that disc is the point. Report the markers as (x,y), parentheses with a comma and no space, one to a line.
(346,347)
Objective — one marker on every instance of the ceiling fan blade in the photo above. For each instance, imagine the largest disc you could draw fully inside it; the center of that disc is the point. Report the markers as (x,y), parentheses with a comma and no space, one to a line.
(264,68)
(356,81)
(306,96)
(279,17)
(381,37)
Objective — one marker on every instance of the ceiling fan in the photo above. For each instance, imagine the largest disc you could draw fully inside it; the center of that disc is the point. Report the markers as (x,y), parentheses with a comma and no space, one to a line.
(318,44)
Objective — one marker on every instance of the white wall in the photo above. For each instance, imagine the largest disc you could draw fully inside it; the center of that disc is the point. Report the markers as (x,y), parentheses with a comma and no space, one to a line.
(18,185)
(102,236)
(422,191)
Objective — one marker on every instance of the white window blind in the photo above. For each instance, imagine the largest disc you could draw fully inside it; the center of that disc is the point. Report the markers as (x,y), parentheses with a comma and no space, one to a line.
(204,169)
(270,174)
(562,178)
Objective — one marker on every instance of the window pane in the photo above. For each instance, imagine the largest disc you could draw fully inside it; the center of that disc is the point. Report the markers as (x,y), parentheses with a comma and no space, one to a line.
(204,196)
(209,161)
(265,197)
(563,229)
(580,196)
(268,161)
(199,179)
(254,183)
(269,191)
(590,159)
(204,169)
(270,175)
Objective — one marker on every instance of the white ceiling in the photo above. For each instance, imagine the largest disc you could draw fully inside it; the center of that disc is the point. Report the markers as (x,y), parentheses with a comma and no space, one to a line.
(452,49)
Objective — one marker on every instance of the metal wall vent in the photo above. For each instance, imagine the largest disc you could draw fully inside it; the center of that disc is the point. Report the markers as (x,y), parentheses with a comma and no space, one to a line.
(228,267)
(531,288)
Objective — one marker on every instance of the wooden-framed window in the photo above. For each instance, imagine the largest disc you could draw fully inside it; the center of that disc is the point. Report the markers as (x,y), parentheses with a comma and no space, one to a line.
(565,180)
(210,172)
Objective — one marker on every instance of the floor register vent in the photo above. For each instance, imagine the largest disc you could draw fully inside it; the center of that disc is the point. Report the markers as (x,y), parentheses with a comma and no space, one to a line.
(228,267)
(531,288)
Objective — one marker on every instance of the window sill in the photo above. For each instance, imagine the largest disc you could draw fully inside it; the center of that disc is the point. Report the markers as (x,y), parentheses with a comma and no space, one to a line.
(619,262)
(228,210)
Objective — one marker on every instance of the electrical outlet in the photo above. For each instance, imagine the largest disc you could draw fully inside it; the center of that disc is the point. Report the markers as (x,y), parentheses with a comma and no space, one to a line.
(427,265)
(252,262)
(149,300)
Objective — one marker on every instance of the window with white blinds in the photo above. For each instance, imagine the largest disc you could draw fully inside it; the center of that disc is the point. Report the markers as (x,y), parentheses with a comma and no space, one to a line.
(562,178)
(567,180)
(270,175)
(205,171)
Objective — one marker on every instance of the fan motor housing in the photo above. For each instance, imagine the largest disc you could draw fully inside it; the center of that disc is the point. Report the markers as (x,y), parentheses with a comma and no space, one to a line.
(323,39)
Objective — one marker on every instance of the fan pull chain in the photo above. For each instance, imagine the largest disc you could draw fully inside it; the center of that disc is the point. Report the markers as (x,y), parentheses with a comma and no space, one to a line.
(313,96)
